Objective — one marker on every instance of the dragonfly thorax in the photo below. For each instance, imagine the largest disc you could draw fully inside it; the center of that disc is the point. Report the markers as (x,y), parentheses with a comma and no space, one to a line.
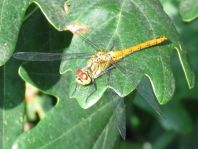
(96,66)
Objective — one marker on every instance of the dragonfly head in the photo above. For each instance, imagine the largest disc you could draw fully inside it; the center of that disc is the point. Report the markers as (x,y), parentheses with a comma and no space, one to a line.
(82,77)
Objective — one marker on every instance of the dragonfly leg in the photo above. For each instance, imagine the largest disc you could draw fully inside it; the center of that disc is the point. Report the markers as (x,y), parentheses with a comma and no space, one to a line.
(106,71)
(95,88)
(87,90)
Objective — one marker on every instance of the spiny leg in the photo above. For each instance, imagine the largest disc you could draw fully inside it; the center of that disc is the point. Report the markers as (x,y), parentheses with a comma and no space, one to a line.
(95,88)
(106,71)
(83,92)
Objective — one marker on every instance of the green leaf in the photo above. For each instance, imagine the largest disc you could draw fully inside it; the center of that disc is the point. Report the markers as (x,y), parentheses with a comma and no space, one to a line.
(189,37)
(11,104)
(12,14)
(164,140)
(67,123)
(10,21)
(181,124)
(170,121)
(190,140)
(129,145)
(126,23)
(188,10)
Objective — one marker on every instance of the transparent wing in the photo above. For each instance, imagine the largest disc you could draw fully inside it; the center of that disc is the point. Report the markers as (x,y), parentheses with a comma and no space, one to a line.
(84,91)
(145,90)
(144,87)
(119,114)
(39,56)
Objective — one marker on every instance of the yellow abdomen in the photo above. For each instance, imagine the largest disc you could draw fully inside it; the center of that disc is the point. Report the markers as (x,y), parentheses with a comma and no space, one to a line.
(119,54)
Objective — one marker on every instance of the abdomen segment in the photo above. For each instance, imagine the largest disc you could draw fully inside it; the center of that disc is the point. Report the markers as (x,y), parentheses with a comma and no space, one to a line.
(119,54)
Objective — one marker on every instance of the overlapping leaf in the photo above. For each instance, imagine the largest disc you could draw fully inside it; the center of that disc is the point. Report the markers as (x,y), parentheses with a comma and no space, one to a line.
(188,10)
(11,19)
(67,120)
(11,104)
(126,23)
(67,124)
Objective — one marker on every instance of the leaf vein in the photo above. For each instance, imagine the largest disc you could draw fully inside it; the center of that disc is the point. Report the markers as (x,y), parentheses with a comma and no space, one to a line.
(2,13)
(75,126)
(117,24)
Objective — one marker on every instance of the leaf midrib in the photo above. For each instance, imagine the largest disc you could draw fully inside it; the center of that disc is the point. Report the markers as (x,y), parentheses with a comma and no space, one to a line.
(2,13)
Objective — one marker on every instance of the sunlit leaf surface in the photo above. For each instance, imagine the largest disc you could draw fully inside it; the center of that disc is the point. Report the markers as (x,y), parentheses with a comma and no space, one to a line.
(123,24)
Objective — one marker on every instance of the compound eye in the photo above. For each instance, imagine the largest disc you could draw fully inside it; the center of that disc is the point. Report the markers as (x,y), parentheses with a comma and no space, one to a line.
(78,72)
(81,75)
(84,76)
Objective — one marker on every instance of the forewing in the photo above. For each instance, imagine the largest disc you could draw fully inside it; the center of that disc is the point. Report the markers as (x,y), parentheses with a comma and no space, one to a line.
(119,114)
(145,90)
(39,56)
(143,87)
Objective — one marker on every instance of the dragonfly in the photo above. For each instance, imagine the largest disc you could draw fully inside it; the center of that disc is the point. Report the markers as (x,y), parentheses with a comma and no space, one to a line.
(98,64)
